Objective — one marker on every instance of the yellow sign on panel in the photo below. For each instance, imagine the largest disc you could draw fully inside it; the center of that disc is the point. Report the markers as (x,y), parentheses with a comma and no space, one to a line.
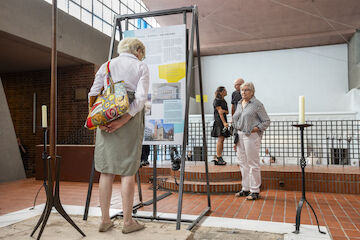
(205,97)
(173,72)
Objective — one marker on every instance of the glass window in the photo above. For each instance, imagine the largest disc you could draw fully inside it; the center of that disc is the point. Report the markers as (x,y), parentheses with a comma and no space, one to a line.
(86,16)
(107,3)
(116,6)
(142,4)
(101,13)
(107,29)
(97,23)
(132,22)
(74,10)
(107,14)
(112,17)
(87,4)
(98,8)
(152,22)
(62,4)
(137,7)
(124,9)
(131,4)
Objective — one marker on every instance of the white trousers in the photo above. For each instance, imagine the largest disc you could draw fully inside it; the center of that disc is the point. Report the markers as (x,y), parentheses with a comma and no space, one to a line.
(248,149)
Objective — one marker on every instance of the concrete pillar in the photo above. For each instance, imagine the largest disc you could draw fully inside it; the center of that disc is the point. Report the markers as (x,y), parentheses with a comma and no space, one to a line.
(11,165)
(354,61)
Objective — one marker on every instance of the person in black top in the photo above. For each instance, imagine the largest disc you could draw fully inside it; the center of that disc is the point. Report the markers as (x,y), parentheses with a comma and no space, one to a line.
(220,127)
(236,95)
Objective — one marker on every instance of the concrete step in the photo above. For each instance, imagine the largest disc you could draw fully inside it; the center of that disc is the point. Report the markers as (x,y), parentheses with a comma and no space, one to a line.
(168,182)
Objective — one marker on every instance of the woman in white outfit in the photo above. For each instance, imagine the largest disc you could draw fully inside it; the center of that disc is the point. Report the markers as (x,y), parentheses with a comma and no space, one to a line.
(250,120)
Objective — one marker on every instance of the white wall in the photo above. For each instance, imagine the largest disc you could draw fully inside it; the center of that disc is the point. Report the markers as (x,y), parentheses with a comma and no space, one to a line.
(318,73)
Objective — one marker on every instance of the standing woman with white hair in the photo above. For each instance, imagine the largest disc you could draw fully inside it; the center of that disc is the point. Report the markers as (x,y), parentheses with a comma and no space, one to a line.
(118,144)
(250,120)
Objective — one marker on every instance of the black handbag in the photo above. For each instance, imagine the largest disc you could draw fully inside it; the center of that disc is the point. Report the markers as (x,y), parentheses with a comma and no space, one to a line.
(225,132)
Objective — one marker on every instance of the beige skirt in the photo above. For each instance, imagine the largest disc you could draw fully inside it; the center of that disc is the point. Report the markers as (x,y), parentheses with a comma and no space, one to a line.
(120,152)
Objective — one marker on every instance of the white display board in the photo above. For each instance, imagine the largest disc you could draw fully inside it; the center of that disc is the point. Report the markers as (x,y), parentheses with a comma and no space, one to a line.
(166,59)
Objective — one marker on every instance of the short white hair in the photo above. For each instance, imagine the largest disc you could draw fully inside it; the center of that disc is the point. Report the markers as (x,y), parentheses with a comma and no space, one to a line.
(250,85)
(131,45)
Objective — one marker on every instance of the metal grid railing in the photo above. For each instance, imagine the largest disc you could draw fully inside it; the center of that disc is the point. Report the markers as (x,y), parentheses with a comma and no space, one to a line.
(327,142)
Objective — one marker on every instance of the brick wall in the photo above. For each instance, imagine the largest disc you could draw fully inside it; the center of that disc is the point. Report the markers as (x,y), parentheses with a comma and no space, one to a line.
(19,89)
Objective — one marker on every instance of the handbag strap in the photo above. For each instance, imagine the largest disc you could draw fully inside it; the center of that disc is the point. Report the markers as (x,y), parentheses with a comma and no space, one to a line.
(109,80)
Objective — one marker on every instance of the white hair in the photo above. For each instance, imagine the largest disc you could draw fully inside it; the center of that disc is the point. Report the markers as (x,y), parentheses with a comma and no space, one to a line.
(250,85)
(131,45)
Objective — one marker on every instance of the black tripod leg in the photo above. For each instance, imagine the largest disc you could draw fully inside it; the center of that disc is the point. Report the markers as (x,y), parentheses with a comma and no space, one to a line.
(315,217)
(139,186)
(61,210)
(57,203)
(88,197)
(46,217)
(43,213)
(298,215)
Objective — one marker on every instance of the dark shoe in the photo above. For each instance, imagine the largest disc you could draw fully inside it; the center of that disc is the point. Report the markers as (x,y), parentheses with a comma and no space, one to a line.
(220,161)
(145,163)
(215,162)
(136,226)
(242,193)
(253,196)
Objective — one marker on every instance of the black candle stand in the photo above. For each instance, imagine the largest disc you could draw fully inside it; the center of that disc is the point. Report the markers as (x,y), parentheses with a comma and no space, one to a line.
(303,197)
(52,195)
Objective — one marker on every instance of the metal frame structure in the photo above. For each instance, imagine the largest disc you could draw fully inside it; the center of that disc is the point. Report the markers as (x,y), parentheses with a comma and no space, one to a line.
(190,64)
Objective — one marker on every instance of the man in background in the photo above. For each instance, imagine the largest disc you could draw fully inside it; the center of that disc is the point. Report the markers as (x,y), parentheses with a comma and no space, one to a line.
(236,95)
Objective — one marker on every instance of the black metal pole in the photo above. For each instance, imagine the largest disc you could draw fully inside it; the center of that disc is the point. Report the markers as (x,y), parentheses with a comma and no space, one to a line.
(88,197)
(139,186)
(186,122)
(205,151)
(45,155)
(154,182)
(44,158)
(302,160)
(303,197)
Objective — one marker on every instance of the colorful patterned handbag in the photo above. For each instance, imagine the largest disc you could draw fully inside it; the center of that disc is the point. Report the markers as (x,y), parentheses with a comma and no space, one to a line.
(110,105)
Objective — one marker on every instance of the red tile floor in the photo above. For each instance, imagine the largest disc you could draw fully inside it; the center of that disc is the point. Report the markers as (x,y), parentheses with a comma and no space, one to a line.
(339,212)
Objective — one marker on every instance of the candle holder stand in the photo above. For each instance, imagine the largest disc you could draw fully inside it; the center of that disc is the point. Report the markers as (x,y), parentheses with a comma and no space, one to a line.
(303,197)
(52,195)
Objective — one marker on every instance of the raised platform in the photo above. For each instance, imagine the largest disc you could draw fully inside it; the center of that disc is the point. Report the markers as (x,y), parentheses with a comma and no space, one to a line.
(77,159)
(334,179)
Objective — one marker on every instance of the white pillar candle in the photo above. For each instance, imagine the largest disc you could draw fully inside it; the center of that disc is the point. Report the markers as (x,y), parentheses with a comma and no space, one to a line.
(44,116)
(301,110)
